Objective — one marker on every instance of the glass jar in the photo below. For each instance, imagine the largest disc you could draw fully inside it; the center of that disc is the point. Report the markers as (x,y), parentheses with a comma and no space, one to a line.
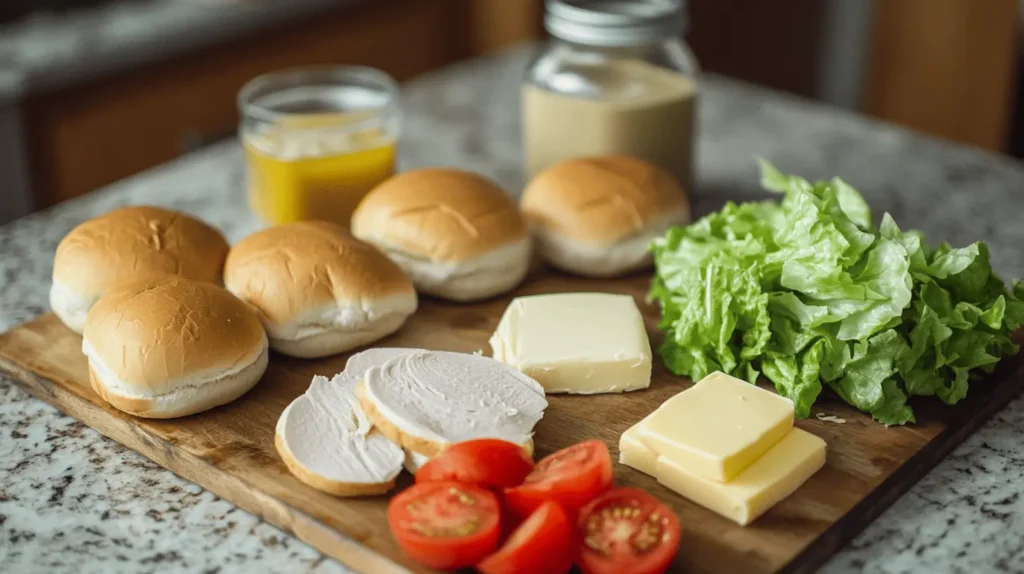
(317,140)
(616,78)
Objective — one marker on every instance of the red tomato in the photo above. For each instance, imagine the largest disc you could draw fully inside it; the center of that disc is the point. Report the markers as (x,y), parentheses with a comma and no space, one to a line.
(543,544)
(509,519)
(571,477)
(445,525)
(627,530)
(486,462)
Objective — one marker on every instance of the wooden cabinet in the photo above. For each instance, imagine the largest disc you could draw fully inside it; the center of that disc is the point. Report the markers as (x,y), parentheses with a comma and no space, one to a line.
(946,67)
(91,135)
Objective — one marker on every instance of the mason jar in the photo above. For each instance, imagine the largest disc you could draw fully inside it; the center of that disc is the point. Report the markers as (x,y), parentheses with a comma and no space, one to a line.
(616,77)
(317,140)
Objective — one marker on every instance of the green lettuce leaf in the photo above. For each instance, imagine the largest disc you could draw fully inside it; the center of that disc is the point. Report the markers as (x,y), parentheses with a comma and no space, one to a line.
(852,203)
(710,333)
(873,362)
(894,410)
(797,377)
(809,293)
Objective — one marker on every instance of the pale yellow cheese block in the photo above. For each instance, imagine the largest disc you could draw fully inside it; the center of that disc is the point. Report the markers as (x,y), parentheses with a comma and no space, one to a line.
(582,343)
(718,427)
(771,478)
(633,452)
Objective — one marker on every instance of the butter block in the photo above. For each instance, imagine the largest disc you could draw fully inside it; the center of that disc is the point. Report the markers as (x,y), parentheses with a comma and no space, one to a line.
(582,343)
(718,427)
(771,478)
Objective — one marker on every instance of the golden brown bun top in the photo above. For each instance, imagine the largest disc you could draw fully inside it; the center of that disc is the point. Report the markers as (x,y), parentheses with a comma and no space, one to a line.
(133,243)
(165,329)
(289,269)
(445,215)
(601,200)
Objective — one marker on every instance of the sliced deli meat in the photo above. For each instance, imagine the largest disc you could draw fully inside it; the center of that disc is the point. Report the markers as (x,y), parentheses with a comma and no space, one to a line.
(429,399)
(328,443)
(414,461)
(358,364)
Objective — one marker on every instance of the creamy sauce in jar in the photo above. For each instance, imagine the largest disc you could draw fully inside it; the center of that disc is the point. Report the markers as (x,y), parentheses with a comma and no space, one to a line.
(624,107)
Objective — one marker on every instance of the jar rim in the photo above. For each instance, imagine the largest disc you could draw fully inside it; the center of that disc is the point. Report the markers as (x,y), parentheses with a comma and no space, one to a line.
(615,23)
(329,77)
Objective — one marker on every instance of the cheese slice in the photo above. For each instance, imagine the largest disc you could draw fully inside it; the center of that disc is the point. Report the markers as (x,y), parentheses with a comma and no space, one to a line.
(771,478)
(427,400)
(718,427)
(581,343)
(634,453)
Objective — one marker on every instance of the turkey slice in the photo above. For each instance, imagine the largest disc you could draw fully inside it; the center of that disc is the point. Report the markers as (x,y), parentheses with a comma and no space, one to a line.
(328,443)
(414,460)
(427,400)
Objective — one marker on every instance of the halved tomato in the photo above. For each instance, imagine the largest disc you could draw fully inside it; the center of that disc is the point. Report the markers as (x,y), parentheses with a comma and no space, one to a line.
(487,462)
(627,530)
(572,477)
(445,525)
(543,544)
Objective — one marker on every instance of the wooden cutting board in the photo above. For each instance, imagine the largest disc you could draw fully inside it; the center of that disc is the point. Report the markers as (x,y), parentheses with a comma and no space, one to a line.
(230,450)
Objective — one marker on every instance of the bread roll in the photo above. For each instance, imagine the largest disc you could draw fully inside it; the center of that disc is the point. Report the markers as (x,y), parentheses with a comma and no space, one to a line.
(130,244)
(596,216)
(318,290)
(456,234)
(169,347)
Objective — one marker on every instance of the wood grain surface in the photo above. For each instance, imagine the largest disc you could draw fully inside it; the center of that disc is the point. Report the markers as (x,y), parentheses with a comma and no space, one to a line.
(230,450)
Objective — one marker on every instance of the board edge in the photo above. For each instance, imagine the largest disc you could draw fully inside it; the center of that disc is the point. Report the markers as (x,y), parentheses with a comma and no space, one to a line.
(882,497)
(289,519)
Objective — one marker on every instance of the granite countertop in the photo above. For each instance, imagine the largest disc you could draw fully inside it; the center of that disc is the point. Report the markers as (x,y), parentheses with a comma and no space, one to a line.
(73,501)
(49,50)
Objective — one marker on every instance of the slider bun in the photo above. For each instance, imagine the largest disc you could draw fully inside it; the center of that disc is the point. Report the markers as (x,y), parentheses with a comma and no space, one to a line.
(169,347)
(318,290)
(455,233)
(129,244)
(596,216)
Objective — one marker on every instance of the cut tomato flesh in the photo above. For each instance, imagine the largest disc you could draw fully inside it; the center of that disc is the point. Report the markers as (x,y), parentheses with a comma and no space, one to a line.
(445,525)
(490,463)
(627,530)
(572,477)
(543,544)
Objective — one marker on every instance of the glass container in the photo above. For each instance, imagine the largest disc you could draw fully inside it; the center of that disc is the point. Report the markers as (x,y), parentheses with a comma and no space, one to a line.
(615,78)
(317,140)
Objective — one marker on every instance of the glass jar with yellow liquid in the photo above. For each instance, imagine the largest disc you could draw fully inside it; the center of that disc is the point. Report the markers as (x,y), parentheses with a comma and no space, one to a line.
(317,140)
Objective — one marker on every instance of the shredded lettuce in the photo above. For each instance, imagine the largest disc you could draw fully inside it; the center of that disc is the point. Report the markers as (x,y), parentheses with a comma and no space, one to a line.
(809,293)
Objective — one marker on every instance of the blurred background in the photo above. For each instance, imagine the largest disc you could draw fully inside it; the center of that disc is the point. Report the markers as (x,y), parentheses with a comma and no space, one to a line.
(93,91)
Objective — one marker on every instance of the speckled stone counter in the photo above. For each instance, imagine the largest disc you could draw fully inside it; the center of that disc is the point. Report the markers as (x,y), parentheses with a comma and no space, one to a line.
(72,501)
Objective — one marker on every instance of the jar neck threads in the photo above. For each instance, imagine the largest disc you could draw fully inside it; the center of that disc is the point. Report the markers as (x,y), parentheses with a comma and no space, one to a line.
(615,23)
